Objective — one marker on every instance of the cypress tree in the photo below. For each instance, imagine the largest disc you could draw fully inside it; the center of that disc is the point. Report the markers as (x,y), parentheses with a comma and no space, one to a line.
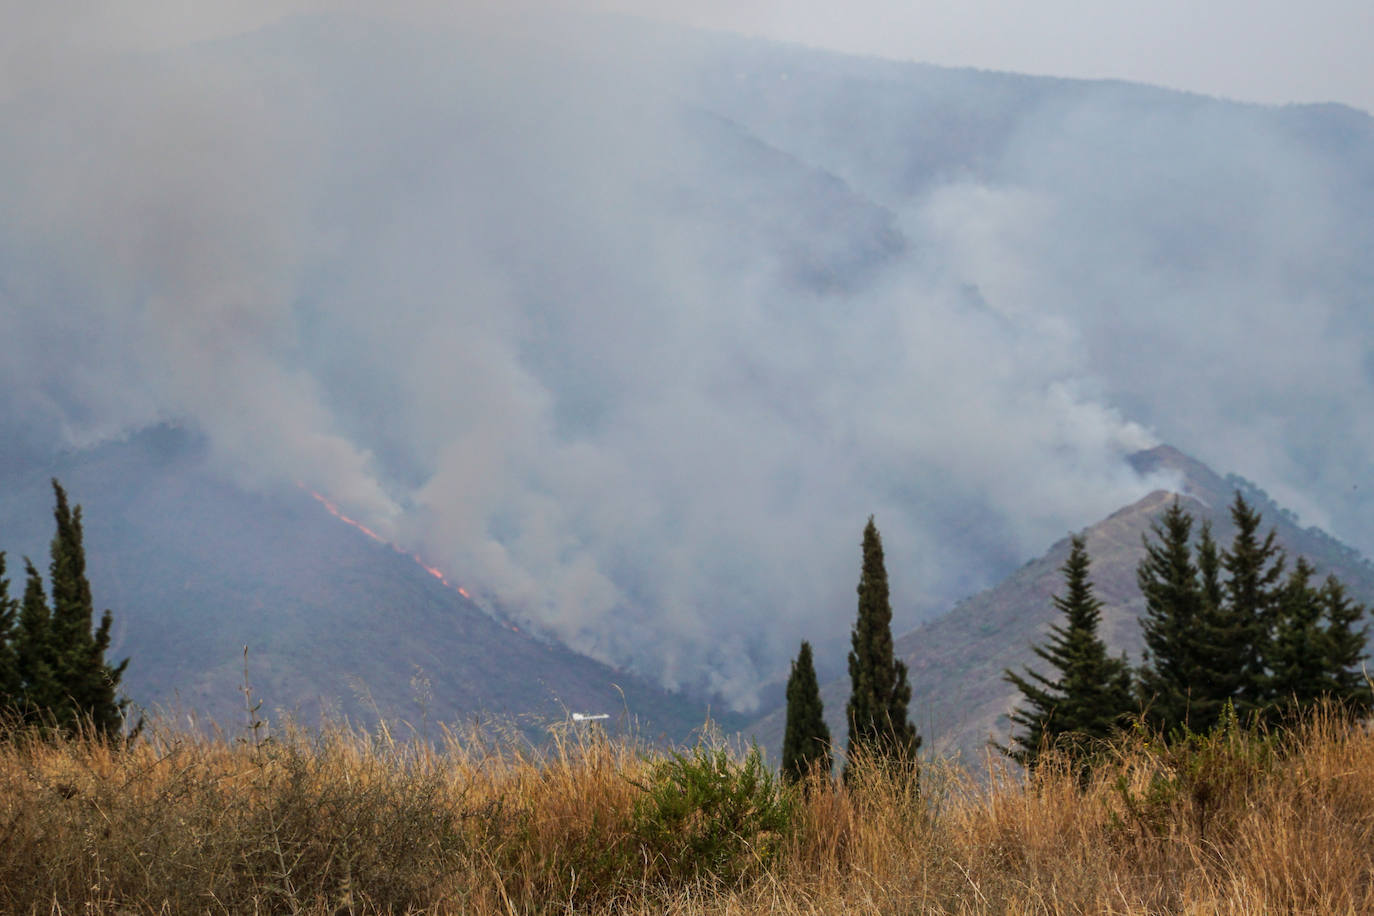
(806,742)
(1169,583)
(877,707)
(89,685)
(34,651)
(1091,693)
(1254,570)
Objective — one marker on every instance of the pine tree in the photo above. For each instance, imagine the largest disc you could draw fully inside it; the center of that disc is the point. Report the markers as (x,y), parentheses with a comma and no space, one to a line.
(1173,604)
(806,742)
(1297,675)
(11,686)
(1221,643)
(1092,692)
(1254,570)
(877,708)
(1343,647)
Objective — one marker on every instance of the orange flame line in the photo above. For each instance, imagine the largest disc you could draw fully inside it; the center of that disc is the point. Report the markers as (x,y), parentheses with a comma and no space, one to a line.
(335,511)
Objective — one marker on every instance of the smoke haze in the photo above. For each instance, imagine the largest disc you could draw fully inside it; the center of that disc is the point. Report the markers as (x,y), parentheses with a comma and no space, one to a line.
(629,330)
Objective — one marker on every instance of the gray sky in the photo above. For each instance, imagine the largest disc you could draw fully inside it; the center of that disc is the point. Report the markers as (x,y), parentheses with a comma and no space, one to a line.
(1250,50)
(1272,51)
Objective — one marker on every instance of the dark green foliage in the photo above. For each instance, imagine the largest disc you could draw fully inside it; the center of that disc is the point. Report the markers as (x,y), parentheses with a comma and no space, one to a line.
(59,663)
(1343,647)
(11,686)
(1297,665)
(1173,605)
(34,650)
(1254,570)
(706,817)
(1201,784)
(877,708)
(1092,693)
(1253,642)
(806,741)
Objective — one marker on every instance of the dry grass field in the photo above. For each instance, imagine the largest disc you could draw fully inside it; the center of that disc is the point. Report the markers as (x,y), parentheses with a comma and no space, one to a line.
(346,822)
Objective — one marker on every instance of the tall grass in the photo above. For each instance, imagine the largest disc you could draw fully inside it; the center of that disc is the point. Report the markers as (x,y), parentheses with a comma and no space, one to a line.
(343,821)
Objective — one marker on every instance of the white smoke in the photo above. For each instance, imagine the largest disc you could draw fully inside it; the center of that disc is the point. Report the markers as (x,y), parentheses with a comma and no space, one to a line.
(631,359)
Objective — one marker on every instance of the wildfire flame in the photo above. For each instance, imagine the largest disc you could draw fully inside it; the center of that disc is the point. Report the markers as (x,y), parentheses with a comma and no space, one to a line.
(434,571)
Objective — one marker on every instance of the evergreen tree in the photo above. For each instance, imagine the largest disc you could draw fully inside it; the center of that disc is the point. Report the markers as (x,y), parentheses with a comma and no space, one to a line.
(1254,569)
(88,685)
(806,742)
(1297,674)
(34,651)
(1173,604)
(1343,647)
(11,685)
(877,708)
(1221,642)
(1092,691)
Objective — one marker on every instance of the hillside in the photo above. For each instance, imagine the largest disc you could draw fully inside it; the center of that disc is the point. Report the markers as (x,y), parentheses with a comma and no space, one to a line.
(195,568)
(959,700)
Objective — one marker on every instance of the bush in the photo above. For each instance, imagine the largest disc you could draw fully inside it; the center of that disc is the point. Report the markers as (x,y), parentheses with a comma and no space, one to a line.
(1196,782)
(705,815)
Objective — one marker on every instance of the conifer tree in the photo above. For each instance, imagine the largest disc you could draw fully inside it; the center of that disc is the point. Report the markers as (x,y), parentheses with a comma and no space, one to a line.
(877,709)
(1091,693)
(88,685)
(11,686)
(1173,604)
(1343,644)
(1220,643)
(1254,569)
(806,742)
(34,651)
(1297,674)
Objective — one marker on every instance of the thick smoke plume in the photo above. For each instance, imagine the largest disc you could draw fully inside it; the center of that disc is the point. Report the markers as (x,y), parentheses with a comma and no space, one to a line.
(630,330)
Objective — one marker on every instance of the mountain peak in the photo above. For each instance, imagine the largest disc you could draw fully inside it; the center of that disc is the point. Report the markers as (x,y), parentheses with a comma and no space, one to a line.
(1195,479)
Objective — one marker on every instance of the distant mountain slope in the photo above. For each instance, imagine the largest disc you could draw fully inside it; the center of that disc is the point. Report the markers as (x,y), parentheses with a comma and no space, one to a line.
(959,700)
(195,569)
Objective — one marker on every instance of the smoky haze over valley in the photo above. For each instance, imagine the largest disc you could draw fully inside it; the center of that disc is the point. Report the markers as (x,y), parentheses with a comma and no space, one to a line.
(628,328)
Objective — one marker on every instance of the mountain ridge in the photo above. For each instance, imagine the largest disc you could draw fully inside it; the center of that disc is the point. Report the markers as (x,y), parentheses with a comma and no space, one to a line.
(955,662)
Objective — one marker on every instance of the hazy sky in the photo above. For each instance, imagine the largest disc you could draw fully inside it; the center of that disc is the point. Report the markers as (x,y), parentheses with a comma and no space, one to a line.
(1272,51)
(1251,50)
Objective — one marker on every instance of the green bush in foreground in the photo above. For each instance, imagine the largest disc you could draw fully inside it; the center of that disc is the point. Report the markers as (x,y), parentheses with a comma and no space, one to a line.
(705,815)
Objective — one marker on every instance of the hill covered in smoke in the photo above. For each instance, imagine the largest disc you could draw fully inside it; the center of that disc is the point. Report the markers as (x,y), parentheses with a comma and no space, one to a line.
(633,327)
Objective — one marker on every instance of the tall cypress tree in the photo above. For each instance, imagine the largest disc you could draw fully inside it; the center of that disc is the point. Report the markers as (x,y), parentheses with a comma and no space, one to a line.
(877,707)
(34,654)
(1254,569)
(89,685)
(1169,583)
(1091,694)
(806,742)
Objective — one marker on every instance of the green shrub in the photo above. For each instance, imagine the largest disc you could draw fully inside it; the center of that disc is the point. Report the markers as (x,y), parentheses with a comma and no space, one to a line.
(1197,782)
(707,816)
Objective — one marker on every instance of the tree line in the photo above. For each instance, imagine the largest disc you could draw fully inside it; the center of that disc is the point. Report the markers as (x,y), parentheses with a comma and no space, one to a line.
(1226,633)
(53,672)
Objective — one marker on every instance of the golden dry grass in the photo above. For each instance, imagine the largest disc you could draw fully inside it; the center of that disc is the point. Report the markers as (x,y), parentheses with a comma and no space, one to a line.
(345,822)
